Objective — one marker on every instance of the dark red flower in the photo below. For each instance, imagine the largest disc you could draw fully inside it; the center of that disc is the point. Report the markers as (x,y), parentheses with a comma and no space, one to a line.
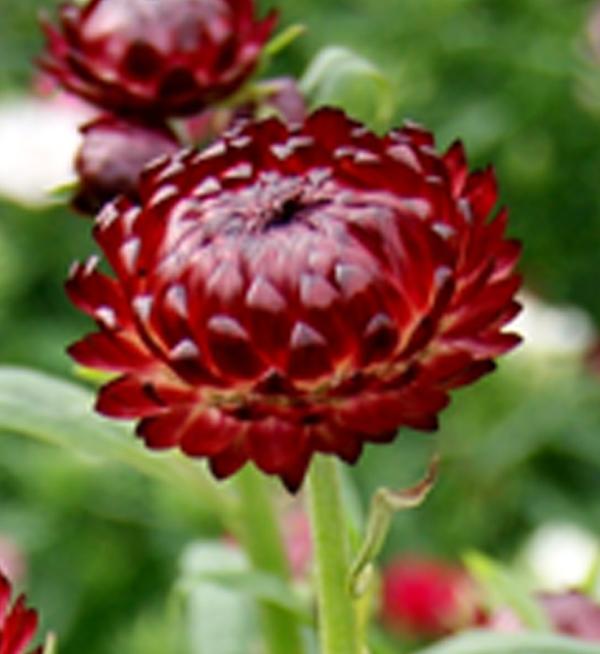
(427,598)
(17,622)
(297,289)
(151,57)
(112,156)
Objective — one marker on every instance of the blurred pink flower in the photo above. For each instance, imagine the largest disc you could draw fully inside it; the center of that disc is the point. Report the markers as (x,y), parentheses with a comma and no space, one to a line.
(571,613)
(297,541)
(12,561)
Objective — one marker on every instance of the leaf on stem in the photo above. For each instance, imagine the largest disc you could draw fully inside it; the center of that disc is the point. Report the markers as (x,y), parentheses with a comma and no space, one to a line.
(259,586)
(216,619)
(384,504)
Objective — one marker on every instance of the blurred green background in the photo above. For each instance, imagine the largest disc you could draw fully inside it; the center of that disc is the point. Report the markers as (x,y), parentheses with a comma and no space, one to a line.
(518,82)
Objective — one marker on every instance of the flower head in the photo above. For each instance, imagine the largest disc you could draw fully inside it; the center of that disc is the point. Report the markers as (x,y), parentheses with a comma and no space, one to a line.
(149,57)
(112,155)
(17,622)
(297,289)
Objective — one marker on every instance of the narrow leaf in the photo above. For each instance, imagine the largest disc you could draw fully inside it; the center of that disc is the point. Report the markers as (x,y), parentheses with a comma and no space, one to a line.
(218,620)
(489,642)
(58,412)
(505,589)
(384,504)
(281,41)
(258,586)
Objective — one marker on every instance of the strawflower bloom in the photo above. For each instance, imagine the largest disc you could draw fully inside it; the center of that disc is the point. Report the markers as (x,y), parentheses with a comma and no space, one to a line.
(427,598)
(297,289)
(150,57)
(17,622)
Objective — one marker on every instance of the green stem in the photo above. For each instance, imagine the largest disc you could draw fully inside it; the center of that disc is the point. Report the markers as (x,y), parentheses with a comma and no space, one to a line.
(337,622)
(262,539)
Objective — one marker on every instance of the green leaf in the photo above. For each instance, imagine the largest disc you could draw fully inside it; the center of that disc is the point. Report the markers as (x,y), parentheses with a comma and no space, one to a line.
(384,503)
(219,620)
(489,642)
(58,412)
(258,586)
(505,589)
(339,77)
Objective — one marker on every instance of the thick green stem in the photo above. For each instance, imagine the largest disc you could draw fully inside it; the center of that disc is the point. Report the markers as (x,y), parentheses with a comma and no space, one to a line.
(262,540)
(337,622)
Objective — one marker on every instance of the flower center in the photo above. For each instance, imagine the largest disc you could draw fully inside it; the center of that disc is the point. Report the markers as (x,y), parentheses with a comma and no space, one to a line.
(286,214)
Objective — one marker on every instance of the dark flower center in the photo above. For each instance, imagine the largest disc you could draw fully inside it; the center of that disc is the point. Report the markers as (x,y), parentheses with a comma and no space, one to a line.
(286,215)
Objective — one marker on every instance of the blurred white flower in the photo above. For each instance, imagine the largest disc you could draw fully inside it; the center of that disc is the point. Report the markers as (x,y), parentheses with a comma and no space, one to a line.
(38,141)
(561,555)
(552,329)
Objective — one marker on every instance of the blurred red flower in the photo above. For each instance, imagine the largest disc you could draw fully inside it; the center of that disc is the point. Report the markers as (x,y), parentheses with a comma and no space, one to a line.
(152,58)
(17,622)
(427,598)
(297,289)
